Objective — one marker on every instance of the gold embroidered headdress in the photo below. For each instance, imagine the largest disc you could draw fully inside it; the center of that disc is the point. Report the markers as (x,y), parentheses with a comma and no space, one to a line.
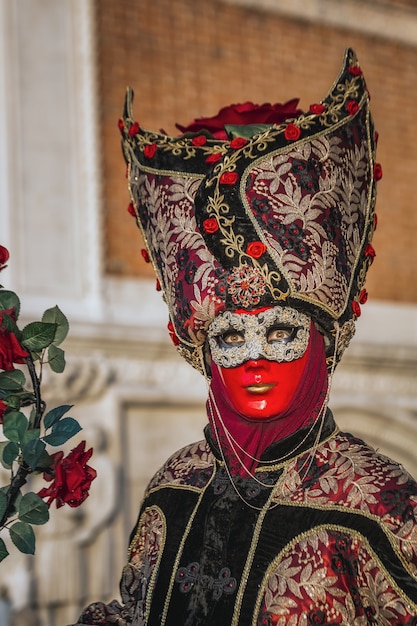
(284,216)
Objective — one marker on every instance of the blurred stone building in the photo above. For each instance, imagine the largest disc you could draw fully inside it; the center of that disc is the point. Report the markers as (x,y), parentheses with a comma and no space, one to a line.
(64,67)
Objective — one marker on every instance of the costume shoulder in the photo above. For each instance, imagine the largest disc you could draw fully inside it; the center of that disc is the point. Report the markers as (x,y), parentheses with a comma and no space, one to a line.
(189,466)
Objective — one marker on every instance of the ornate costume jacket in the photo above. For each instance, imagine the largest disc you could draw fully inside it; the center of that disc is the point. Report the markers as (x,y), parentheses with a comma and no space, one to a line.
(327,535)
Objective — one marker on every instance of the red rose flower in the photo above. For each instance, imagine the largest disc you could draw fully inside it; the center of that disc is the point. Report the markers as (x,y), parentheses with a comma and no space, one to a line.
(238,142)
(243,114)
(355,70)
(4,257)
(121,125)
(173,334)
(131,209)
(377,171)
(356,308)
(292,132)
(255,249)
(71,477)
(214,158)
(229,178)
(200,140)
(363,296)
(150,150)
(352,107)
(370,252)
(145,255)
(210,225)
(134,129)
(317,109)
(10,349)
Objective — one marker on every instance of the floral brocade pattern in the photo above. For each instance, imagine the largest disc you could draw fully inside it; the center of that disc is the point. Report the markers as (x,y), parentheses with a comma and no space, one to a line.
(331,577)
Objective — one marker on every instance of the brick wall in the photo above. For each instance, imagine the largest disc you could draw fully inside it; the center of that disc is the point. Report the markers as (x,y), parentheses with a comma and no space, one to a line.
(188,58)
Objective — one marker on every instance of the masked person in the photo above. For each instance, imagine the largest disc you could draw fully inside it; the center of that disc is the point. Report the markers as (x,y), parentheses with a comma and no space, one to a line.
(259,225)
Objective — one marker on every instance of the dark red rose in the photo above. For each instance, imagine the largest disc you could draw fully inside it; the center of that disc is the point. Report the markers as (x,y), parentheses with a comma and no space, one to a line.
(71,477)
(243,114)
(256,249)
(145,255)
(210,225)
(229,178)
(377,171)
(238,142)
(134,129)
(150,150)
(317,109)
(352,107)
(4,257)
(292,132)
(200,140)
(363,296)
(131,209)
(158,285)
(10,349)
(121,125)
(370,252)
(355,70)
(173,334)
(214,158)
(356,308)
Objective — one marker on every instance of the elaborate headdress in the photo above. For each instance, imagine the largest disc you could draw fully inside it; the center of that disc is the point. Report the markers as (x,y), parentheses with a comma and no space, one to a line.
(284,216)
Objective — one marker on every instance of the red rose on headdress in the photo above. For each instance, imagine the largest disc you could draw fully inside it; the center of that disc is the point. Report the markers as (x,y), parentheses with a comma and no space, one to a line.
(200,140)
(134,129)
(158,285)
(145,255)
(370,252)
(4,257)
(356,308)
(238,142)
(10,349)
(363,296)
(255,249)
(131,209)
(355,70)
(317,109)
(71,477)
(210,225)
(149,150)
(243,114)
(229,178)
(292,132)
(214,158)
(352,107)
(377,171)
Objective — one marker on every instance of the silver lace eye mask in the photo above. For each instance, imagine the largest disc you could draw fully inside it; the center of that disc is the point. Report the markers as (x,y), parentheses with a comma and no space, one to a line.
(255,330)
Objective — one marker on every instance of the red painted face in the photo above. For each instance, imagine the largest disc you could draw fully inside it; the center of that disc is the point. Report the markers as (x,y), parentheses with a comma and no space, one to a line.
(262,389)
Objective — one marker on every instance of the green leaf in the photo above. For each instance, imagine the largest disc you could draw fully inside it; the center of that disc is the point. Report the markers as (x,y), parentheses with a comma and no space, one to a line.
(55,414)
(44,462)
(56,359)
(13,402)
(29,435)
(56,316)
(15,425)
(33,510)
(3,503)
(245,130)
(8,323)
(23,537)
(3,550)
(62,431)
(12,380)
(33,451)
(9,454)
(38,335)
(9,300)
(16,501)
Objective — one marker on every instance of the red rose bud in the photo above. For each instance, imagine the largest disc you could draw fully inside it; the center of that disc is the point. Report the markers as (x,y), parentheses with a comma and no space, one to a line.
(238,142)
(214,158)
(150,150)
(363,296)
(370,252)
(210,225)
(131,209)
(377,171)
(121,125)
(355,70)
(145,255)
(356,308)
(317,109)
(200,140)
(4,257)
(352,107)
(158,285)
(256,249)
(292,132)
(134,129)
(10,349)
(229,178)
(172,334)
